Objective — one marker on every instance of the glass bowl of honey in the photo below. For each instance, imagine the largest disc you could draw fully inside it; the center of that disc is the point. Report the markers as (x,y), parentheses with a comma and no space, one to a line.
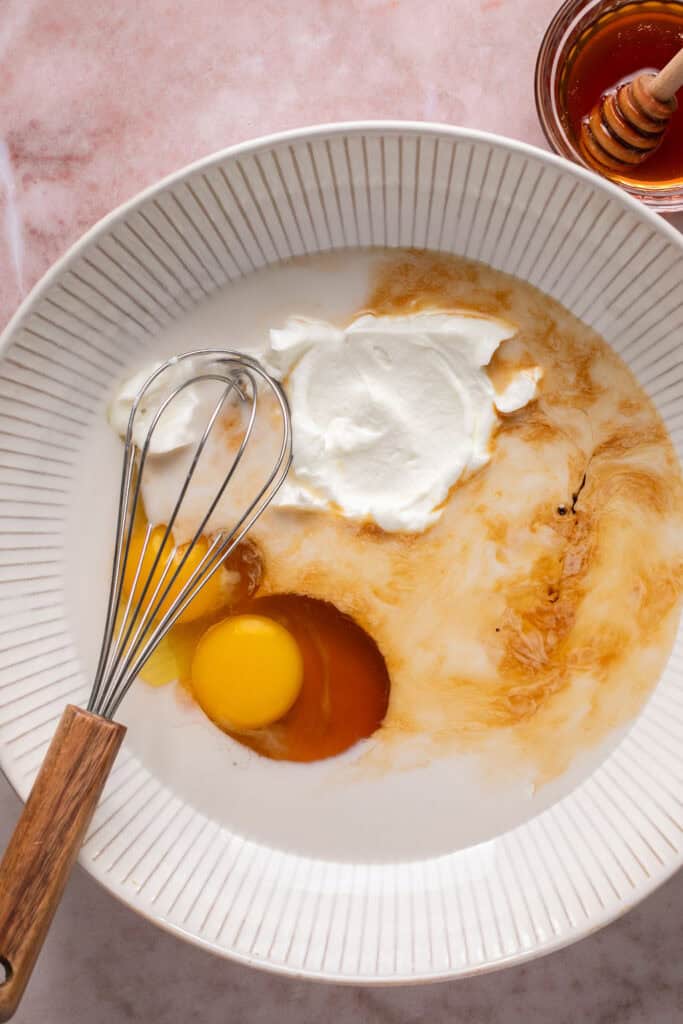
(590,48)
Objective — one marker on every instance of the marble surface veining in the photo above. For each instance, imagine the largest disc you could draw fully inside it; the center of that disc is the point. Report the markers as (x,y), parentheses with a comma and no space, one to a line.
(100,99)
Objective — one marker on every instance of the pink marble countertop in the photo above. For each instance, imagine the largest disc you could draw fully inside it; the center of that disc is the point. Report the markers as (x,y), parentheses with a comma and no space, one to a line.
(100,99)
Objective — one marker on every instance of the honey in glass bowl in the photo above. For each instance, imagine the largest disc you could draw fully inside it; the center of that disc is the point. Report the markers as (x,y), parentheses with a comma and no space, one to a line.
(593,47)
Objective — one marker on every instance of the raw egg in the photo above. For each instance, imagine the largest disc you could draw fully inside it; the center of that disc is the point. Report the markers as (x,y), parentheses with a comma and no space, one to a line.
(290,676)
(172,659)
(345,685)
(210,598)
(246,672)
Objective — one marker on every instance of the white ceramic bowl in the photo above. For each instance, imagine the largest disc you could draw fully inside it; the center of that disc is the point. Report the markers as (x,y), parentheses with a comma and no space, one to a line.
(228,875)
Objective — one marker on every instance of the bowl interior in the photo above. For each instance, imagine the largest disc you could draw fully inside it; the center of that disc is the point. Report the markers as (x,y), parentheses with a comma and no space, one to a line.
(285,866)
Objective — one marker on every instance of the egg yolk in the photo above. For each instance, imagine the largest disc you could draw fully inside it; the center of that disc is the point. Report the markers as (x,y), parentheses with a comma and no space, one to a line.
(210,598)
(247,672)
(345,690)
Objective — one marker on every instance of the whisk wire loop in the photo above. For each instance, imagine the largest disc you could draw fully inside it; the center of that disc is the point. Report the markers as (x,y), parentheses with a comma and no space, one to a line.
(133,627)
(152,605)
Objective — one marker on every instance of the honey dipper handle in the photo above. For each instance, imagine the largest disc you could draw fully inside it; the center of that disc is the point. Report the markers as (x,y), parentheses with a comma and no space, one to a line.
(41,852)
(666,84)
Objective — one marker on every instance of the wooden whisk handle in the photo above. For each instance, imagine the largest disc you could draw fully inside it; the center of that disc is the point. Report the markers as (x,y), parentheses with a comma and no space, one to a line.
(669,80)
(41,853)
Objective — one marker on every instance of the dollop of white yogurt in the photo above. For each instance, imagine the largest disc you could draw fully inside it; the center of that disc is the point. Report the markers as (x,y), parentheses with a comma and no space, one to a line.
(387,413)
(182,423)
(390,412)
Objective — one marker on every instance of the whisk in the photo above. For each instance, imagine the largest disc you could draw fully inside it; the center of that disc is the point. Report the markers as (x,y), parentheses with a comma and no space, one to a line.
(51,829)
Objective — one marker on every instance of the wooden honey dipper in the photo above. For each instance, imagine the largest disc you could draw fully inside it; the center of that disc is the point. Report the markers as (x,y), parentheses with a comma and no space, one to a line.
(628,124)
